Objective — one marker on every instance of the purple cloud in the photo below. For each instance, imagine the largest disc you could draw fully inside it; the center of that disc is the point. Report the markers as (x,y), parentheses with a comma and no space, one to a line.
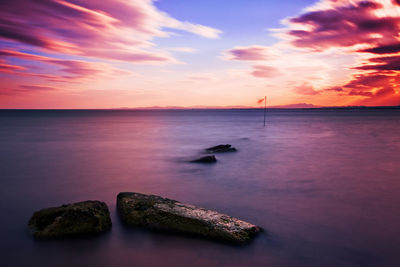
(249,53)
(383,49)
(117,30)
(382,63)
(344,26)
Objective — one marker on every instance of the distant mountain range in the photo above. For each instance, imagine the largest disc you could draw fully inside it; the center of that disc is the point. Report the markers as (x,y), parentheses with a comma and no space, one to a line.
(291,106)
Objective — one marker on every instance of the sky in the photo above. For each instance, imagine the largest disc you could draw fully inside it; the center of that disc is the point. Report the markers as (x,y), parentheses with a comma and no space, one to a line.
(192,53)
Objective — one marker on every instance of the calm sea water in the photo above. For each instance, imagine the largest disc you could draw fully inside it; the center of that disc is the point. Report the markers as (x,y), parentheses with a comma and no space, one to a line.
(325,185)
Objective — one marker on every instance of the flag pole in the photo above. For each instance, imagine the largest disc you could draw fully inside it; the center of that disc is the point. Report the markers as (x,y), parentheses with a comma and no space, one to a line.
(265,108)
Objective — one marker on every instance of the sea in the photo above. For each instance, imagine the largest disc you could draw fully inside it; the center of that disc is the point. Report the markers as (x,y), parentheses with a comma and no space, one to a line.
(324,184)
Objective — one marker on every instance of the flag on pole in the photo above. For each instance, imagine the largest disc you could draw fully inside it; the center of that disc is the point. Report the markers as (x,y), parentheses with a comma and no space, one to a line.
(263,100)
(260,101)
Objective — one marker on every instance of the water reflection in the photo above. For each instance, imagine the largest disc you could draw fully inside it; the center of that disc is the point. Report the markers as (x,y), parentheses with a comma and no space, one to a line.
(323,184)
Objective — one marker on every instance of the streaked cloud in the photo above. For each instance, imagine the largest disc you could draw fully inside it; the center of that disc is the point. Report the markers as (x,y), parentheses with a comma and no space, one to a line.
(335,52)
(355,38)
(356,27)
(249,53)
(25,89)
(183,49)
(117,30)
(342,24)
(72,69)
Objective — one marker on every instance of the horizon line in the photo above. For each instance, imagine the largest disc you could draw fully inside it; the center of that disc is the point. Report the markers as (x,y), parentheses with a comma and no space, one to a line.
(214,108)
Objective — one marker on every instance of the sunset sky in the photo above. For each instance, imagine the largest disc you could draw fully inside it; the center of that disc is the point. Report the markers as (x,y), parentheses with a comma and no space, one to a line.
(141,53)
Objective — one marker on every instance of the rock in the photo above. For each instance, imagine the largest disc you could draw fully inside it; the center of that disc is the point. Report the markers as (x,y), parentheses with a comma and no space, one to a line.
(205,159)
(221,149)
(160,213)
(88,217)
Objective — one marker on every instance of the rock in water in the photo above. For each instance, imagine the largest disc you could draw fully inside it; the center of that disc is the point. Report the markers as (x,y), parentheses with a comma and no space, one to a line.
(205,159)
(221,149)
(161,213)
(88,217)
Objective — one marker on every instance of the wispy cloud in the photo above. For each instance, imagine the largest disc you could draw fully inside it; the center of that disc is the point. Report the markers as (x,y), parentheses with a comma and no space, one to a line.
(183,49)
(116,30)
(248,53)
(358,27)
(72,69)
(261,71)
(355,38)
(24,89)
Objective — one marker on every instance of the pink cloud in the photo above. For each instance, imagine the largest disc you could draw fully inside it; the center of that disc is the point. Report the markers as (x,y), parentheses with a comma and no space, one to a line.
(117,30)
(396,2)
(343,24)
(201,77)
(35,88)
(335,89)
(23,89)
(264,71)
(370,84)
(385,96)
(305,89)
(9,68)
(345,30)
(249,53)
(77,69)
(349,25)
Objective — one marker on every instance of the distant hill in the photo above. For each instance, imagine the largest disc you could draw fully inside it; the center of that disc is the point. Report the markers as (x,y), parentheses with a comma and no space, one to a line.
(290,106)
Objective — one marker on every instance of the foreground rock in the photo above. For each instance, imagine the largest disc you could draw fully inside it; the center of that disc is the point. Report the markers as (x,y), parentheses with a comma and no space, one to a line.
(221,149)
(205,159)
(161,213)
(82,218)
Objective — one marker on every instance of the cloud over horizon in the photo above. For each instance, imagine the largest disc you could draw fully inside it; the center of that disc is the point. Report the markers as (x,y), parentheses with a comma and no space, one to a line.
(334,52)
(116,30)
(358,27)
(367,31)
(74,40)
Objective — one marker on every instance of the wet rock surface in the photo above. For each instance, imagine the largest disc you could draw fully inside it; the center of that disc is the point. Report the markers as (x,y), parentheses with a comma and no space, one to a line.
(160,213)
(81,218)
(204,159)
(221,149)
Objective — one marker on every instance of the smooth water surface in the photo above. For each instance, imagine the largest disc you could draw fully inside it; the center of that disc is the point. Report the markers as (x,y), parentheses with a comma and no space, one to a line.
(324,184)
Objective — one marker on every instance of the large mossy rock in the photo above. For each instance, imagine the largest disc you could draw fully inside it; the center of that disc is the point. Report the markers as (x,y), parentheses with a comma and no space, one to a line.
(161,213)
(82,218)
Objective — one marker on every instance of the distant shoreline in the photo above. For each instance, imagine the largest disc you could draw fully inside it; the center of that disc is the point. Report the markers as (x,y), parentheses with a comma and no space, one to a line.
(217,109)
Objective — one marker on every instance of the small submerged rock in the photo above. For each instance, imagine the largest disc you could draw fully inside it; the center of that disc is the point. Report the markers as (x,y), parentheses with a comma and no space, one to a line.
(205,159)
(156,212)
(221,149)
(88,217)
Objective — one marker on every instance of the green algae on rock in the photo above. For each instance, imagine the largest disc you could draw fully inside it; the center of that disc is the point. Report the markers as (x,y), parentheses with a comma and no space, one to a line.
(81,218)
(161,213)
